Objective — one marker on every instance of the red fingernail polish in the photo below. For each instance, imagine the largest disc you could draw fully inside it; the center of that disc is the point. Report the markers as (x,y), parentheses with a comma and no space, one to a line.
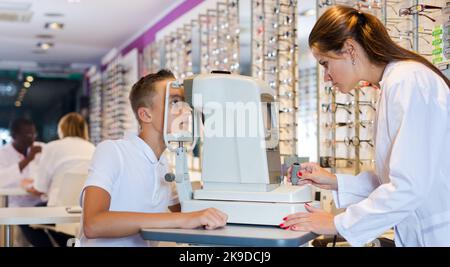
(285,218)
(299,174)
(281,225)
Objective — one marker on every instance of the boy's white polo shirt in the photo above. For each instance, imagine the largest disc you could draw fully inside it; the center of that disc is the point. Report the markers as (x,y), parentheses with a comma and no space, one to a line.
(134,178)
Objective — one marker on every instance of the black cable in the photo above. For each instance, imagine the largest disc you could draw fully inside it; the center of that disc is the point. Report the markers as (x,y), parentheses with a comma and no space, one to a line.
(334,240)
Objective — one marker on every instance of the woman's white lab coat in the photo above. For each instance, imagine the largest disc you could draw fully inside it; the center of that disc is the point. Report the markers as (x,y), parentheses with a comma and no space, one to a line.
(410,189)
(59,157)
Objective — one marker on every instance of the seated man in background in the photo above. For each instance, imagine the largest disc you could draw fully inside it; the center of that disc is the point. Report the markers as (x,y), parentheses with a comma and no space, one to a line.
(18,160)
(126,190)
(71,153)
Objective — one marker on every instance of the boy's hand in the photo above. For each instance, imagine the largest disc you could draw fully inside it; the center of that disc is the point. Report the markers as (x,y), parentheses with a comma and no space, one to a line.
(209,218)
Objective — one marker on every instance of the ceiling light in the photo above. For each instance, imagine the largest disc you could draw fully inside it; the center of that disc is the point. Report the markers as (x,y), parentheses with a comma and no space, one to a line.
(26,84)
(29,79)
(54,25)
(73,1)
(44,45)
(9,89)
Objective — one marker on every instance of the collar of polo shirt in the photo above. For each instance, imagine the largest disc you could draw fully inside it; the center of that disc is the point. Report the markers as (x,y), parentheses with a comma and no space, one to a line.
(146,149)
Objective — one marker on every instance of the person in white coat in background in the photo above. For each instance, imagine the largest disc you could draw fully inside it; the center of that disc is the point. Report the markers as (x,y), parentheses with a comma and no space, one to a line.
(18,160)
(71,153)
(410,187)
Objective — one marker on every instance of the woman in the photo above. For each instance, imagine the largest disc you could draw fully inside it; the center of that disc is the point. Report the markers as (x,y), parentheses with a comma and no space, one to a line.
(71,153)
(411,186)
(73,149)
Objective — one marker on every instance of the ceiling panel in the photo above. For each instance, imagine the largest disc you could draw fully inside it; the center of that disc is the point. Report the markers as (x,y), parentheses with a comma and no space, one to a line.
(91,27)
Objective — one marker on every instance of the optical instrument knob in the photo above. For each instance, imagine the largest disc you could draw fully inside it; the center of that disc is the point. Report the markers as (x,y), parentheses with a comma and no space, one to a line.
(169,177)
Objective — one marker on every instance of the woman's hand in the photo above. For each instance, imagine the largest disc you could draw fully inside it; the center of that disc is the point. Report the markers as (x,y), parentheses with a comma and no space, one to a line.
(314,220)
(312,173)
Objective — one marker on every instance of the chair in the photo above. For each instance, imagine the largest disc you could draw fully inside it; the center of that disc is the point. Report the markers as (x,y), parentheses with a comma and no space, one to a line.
(65,190)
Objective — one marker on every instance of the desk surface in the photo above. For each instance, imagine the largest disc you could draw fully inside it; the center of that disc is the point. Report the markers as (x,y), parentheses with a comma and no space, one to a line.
(232,235)
(13,192)
(37,215)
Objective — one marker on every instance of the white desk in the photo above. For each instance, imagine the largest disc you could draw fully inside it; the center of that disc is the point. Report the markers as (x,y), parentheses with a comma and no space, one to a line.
(5,193)
(34,215)
(232,235)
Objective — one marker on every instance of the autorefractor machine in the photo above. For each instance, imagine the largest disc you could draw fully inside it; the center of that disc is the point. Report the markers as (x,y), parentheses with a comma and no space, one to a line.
(237,118)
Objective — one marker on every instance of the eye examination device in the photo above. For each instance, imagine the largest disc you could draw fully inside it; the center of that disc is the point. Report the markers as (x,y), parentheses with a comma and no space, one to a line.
(236,117)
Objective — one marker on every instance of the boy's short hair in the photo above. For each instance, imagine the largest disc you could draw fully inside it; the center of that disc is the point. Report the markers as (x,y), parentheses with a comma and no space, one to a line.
(142,92)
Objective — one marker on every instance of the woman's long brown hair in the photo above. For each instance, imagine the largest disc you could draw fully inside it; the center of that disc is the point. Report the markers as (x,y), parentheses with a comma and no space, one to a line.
(340,23)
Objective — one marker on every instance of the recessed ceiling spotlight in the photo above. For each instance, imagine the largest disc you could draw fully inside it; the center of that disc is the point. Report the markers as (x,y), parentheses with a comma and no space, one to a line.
(26,84)
(45,45)
(54,25)
(29,78)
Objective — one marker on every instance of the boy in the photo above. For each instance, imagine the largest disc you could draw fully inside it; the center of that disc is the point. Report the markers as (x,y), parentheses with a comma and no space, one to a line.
(125,190)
